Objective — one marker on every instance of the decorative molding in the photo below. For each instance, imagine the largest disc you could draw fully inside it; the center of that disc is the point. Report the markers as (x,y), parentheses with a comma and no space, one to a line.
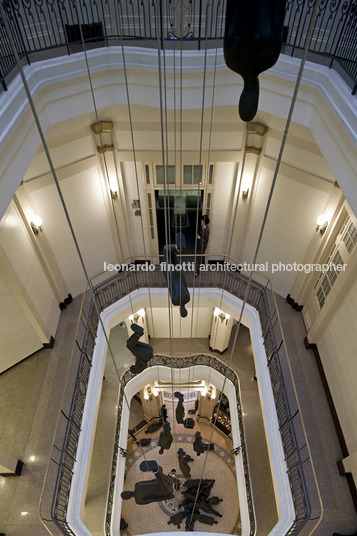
(254,150)
(107,148)
(101,127)
(257,128)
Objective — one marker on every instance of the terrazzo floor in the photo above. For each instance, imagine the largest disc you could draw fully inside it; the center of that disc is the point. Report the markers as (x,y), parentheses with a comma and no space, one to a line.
(30,395)
(154,517)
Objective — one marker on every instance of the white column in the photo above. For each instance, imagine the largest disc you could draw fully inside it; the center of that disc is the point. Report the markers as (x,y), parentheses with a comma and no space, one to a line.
(221,329)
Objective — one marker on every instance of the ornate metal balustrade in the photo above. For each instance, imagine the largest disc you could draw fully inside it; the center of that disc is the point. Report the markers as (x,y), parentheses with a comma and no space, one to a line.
(177,363)
(260,297)
(59,25)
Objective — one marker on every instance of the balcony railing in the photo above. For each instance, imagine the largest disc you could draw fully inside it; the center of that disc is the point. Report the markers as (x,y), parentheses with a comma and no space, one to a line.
(261,297)
(185,362)
(40,26)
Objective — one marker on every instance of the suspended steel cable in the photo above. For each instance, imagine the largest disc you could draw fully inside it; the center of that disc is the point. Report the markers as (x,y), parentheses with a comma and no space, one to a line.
(135,162)
(74,238)
(164,156)
(106,168)
(288,121)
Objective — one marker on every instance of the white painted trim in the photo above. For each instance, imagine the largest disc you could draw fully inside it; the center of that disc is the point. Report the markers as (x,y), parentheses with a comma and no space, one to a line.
(118,312)
(324,103)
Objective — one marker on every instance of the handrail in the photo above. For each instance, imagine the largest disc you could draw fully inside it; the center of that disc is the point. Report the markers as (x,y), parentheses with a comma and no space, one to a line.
(186,362)
(291,424)
(40,26)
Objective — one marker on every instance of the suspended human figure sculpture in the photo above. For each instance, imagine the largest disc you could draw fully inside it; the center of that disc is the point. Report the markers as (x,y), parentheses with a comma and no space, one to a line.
(148,491)
(165,439)
(183,460)
(197,444)
(180,409)
(143,352)
(252,43)
(176,279)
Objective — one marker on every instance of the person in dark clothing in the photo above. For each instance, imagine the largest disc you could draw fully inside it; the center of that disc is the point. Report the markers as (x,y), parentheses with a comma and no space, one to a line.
(164,412)
(202,242)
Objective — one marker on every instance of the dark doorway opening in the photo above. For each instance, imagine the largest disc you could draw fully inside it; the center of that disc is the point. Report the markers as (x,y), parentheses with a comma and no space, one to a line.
(181,209)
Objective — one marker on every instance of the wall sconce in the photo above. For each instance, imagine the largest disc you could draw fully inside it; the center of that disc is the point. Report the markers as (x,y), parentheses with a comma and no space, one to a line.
(147,393)
(136,316)
(247,179)
(36,225)
(223,316)
(211,393)
(322,223)
(245,193)
(113,186)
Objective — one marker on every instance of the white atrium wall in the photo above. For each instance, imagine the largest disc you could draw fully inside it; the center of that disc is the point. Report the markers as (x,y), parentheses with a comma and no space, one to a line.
(337,347)
(33,310)
(14,326)
(321,148)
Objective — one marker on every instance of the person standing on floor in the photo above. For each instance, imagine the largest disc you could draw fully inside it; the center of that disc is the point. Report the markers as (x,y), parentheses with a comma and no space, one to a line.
(164,412)
(202,237)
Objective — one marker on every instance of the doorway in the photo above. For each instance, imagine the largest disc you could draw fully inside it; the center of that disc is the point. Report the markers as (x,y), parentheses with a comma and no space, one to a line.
(181,209)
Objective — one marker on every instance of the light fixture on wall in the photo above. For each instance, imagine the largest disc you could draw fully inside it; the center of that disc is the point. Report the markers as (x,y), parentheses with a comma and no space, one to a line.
(113,186)
(245,193)
(36,225)
(321,223)
(247,179)
(211,392)
(148,393)
(221,315)
(136,316)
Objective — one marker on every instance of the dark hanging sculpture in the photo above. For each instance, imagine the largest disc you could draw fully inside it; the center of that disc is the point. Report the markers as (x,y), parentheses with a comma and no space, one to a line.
(198,445)
(153,427)
(176,279)
(189,423)
(183,460)
(165,439)
(176,520)
(148,491)
(196,499)
(143,352)
(252,43)
(180,410)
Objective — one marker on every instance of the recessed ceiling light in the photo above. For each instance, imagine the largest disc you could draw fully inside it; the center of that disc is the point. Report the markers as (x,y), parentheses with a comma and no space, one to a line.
(32,458)
(24,513)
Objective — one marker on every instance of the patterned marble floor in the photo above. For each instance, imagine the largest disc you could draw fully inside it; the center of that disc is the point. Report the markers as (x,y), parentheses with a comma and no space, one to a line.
(218,464)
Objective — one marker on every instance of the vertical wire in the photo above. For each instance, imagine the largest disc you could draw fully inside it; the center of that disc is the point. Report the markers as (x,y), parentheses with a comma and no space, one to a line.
(99,131)
(135,165)
(69,222)
(288,121)
(163,122)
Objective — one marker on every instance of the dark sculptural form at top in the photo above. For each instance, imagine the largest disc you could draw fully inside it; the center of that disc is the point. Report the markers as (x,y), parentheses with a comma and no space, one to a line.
(252,43)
